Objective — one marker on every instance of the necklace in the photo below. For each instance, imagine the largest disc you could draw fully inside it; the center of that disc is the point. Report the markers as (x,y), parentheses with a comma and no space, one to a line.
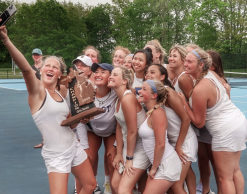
(102,102)
(51,91)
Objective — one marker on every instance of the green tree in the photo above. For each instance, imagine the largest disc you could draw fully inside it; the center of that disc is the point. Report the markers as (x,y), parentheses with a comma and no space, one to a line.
(99,24)
(47,25)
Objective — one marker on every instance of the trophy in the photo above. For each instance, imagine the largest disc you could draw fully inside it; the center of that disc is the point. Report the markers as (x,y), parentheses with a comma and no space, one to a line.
(82,93)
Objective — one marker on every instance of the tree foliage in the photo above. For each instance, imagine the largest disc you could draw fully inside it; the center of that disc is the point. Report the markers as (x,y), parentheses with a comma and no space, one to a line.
(65,29)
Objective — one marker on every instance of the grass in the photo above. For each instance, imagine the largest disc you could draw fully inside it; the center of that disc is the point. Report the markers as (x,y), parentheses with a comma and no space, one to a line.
(6,73)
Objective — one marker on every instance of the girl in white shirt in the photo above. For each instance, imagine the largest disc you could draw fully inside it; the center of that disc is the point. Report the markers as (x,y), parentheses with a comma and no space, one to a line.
(166,165)
(224,121)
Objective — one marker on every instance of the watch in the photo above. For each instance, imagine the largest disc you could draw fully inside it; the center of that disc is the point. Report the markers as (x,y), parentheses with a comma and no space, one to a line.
(129,158)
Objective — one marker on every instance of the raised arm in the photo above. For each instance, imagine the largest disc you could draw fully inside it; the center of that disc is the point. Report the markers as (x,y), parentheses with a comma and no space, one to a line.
(31,81)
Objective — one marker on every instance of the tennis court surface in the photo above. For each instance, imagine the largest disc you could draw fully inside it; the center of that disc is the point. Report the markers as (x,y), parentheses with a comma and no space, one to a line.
(22,168)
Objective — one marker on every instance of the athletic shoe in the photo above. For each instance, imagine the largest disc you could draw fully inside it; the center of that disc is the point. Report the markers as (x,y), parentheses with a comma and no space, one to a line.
(107,188)
(97,190)
(210,192)
(199,188)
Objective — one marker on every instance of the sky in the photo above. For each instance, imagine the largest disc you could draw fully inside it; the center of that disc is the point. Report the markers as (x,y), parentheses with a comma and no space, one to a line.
(89,2)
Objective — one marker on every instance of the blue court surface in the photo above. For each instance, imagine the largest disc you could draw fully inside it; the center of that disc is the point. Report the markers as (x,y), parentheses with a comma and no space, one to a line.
(22,169)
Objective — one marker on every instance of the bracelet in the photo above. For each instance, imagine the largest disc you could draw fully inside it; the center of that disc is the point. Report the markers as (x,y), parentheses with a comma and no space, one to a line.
(129,158)
(6,41)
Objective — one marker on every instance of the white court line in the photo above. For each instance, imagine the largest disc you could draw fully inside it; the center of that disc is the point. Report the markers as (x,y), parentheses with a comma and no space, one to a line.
(10,88)
(239,96)
(239,101)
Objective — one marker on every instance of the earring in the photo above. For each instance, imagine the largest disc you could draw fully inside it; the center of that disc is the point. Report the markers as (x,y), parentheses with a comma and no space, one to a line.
(59,78)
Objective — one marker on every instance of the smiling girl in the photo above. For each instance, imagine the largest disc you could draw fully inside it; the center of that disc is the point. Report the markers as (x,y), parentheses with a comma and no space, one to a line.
(166,165)
(119,55)
(180,133)
(210,106)
(62,152)
(141,61)
(129,114)
(159,54)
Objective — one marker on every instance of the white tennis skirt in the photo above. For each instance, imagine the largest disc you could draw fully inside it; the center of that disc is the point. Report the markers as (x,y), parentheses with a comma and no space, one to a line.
(140,159)
(190,147)
(62,163)
(233,142)
(170,168)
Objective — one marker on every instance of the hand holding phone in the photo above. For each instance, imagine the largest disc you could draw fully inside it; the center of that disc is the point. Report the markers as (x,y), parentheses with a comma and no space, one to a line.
(7,14)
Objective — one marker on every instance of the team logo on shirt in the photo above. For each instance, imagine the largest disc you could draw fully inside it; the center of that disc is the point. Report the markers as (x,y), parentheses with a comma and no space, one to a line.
(106,108)
(137,90)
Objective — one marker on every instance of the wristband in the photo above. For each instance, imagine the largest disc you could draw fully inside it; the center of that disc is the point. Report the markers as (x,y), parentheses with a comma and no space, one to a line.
(129,158)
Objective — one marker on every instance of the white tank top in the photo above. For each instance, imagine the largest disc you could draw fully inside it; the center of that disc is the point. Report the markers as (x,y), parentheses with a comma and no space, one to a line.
(141,116)
(176,86)
(57,139)
(174,125)
(224,117)
(148,141)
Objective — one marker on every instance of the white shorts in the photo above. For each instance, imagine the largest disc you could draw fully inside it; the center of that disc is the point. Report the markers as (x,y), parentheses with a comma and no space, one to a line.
(140,159)
(63,162)
(204,136)
(170,168)
(190,147)
(233,142)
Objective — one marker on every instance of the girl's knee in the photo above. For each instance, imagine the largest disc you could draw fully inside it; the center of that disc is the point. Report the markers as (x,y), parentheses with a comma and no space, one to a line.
(90,186)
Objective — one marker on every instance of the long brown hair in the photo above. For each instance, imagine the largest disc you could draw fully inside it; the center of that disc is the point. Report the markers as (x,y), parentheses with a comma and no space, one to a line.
(217,63)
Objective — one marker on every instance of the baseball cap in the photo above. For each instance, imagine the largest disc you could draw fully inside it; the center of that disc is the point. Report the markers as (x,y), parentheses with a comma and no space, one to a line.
(37,51)
(85,59)
(105,66)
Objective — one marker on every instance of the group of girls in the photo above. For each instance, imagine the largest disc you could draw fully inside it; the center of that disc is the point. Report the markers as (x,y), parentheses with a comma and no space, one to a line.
(157,118)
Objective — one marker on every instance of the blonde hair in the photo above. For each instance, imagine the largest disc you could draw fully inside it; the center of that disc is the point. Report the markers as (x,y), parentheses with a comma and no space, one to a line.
(192,45)
(62,65)
(158,48)
(206,60)
(93,48)
(181,50)
(124,49)
(162,94)
(127,74)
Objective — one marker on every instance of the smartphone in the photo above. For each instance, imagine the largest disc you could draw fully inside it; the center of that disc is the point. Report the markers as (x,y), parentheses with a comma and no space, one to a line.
(121,168)
(7,14)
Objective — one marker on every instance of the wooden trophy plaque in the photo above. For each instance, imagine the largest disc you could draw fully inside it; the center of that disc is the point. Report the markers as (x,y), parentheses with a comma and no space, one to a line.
(82,93)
